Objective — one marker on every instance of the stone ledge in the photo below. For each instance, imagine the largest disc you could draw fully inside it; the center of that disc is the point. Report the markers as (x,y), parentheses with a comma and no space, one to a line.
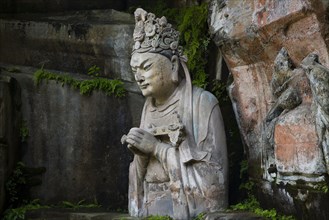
(67,214)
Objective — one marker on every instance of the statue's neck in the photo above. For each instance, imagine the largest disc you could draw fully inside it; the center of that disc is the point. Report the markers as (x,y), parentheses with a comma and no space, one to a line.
(163,102)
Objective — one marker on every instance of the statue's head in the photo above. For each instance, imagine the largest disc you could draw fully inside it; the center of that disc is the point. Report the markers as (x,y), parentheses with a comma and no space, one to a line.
(156,55)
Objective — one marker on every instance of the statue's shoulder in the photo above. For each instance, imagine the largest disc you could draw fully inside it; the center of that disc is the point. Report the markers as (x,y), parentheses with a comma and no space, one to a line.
(204,97)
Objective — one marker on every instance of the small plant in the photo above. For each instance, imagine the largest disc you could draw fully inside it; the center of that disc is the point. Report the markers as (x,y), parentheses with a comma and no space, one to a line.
(24,131)
(19,213)
(94,71)
(251,204)
(15,185)
(200,216)
(19,183)
(323,187)
(78,205)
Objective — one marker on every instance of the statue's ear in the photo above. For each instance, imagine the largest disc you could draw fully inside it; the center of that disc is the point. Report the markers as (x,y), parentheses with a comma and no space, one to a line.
(175,67)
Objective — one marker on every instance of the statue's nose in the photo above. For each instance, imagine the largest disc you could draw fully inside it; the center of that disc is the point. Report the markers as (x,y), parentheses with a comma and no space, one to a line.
(139,78)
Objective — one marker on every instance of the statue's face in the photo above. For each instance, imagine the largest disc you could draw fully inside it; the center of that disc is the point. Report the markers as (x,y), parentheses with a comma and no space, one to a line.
(153,74)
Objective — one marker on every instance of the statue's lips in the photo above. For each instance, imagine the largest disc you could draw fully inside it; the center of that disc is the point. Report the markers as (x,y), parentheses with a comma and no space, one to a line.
(144,86)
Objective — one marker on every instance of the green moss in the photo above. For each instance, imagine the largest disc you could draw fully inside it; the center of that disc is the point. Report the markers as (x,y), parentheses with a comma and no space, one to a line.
(194,38)
(109,87)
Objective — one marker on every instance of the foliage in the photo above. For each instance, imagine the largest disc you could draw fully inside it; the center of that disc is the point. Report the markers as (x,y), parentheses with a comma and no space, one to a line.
(19,213)
(94,70)
(322,187)
(24,131)
(195,40)
(251,204)
(15,185)
(110,87)
(19,183)
(78,205)
(200,216)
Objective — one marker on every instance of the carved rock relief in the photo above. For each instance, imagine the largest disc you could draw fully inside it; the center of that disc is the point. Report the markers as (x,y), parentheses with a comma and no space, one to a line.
(295,135)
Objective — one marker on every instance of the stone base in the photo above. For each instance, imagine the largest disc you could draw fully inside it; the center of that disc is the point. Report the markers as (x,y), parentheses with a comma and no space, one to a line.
(233,216)
(68,214)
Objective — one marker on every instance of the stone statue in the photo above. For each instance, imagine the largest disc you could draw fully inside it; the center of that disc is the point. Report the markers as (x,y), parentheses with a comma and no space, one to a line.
(318,76)
(180,161)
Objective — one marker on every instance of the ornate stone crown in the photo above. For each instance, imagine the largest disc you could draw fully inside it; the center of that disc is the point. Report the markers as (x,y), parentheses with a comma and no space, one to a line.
(155,35)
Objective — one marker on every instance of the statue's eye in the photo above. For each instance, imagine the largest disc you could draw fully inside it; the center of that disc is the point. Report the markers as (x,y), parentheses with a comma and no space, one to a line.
(148,66)
(134,70)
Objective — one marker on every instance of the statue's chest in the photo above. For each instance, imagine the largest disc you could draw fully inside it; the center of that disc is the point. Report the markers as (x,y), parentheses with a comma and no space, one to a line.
(165,124)
(158,119)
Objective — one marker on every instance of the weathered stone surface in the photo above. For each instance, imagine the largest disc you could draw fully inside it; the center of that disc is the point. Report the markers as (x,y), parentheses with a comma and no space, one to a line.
(70,42)
(80,214)
(77,139)
(296,144)
(3,174)
(10,122)
(281,138)
(24,6)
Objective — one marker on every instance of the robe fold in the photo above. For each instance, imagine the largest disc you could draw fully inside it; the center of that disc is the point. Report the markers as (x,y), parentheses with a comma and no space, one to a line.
(189,179)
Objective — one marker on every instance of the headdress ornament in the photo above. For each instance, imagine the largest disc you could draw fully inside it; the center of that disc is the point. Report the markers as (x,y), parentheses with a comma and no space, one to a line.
(155,35)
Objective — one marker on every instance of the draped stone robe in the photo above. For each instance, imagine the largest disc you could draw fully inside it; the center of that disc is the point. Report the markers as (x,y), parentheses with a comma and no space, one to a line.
(191,178)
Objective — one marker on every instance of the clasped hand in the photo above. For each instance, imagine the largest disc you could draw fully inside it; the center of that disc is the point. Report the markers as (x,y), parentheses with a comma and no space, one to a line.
(141,142)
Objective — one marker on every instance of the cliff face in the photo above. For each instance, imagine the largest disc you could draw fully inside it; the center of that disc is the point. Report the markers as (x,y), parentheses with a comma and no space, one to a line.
(277,102)
(75,137)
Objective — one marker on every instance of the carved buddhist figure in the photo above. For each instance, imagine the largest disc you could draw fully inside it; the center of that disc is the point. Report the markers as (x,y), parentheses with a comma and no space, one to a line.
(180,159)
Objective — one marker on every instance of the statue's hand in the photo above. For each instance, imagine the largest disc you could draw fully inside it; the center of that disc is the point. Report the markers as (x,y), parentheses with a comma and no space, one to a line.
(142,140)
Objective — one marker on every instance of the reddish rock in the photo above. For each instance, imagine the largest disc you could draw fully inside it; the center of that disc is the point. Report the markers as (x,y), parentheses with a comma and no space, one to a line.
(283,148)
(296,144)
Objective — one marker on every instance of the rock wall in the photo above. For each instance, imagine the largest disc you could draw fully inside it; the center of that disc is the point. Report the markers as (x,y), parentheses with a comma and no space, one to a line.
(23,6)
(264,43)
(70,42)
(10,121)
(75,137)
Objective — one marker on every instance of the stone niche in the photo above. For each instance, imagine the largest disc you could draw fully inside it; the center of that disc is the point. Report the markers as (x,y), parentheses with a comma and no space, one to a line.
(266,44)
(75,137)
